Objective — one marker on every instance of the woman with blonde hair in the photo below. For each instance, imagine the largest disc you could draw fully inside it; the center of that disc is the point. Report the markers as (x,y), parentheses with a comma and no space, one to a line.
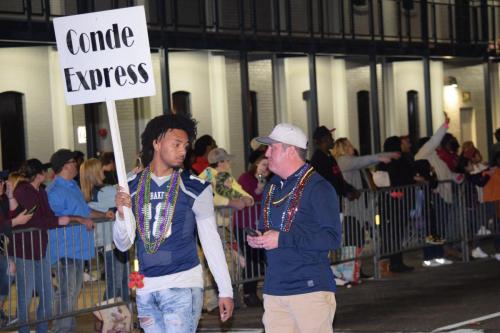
(101,197)
(351,165)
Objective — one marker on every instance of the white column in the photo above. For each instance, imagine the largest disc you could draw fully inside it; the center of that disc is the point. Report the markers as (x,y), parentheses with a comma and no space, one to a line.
(390,114)
(495,86)
(218,100)
(155,102)
(62,117)
(279,87)
(325,90)
(437,88)
(339,101)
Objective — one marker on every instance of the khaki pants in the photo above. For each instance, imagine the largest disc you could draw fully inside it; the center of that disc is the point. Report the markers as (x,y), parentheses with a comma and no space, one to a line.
(304,313)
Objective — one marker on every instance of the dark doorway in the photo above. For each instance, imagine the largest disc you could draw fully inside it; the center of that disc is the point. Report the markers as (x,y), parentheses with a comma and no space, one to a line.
(181,103)
(413,123)
(253,125)
(364,123)
(12,130)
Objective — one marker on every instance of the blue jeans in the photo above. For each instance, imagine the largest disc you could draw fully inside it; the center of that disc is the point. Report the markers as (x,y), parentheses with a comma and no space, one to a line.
(34,275)
(175,310)
(70,279)
(116,275)
(5,279)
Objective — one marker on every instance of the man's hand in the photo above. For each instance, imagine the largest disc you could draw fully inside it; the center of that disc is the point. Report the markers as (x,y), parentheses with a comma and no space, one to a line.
(122,199)
(110,215)
(226,306)
(238,204)
(269,240)
(9,189)
(254,241)
(22,218)
(11,268)
(88,223)
(353,195)
(63,220)
(248,201)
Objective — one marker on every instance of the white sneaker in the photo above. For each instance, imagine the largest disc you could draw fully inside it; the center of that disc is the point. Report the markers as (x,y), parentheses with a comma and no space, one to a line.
(430,263)
(443,261)
(483,231)
(340,282)
(496,256)
(477,253)
(88,278)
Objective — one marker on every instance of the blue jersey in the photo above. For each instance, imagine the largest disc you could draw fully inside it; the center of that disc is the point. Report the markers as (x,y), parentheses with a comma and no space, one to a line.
(178,251)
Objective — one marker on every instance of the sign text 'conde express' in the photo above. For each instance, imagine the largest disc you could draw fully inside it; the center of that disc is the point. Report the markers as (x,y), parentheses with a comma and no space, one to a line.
(98,41)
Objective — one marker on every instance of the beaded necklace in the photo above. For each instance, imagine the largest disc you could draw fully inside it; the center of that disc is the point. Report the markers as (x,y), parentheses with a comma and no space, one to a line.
(291,199)
(142,201)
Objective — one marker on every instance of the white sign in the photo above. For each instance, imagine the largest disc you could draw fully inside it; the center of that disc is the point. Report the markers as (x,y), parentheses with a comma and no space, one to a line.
(105,55)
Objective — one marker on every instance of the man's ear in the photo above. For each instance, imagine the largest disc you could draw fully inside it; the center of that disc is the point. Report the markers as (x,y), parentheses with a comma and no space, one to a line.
(156,145)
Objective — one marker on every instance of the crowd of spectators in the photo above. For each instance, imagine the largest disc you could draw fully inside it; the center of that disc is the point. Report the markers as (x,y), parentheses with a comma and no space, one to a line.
(51,261)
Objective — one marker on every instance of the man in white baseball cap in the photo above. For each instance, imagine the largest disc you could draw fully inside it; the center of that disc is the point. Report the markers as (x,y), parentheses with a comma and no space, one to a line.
(300,223)
(285,133)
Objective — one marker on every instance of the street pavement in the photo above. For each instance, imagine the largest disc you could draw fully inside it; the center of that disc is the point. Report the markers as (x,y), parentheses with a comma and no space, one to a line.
(424,300)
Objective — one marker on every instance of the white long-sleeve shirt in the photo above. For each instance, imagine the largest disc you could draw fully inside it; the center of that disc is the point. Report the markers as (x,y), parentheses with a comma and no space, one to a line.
(203,209)
(443,172)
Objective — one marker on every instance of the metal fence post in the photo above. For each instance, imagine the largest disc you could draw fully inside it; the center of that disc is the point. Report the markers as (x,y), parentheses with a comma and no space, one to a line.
(462,220)
(375,223)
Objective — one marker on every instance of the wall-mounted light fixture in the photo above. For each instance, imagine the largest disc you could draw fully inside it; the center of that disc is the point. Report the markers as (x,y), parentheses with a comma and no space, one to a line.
(451,81)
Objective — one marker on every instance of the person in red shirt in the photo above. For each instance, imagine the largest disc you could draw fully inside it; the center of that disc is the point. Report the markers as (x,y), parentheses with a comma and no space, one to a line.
(202,147)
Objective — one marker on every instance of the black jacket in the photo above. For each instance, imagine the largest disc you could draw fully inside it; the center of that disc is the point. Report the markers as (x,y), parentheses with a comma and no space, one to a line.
(326,166)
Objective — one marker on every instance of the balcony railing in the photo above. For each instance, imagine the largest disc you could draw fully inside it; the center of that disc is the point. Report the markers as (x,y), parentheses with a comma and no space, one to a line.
(465,23)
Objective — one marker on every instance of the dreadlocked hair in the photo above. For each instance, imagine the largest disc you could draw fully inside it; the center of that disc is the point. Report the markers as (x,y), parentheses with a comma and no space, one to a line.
(159,126)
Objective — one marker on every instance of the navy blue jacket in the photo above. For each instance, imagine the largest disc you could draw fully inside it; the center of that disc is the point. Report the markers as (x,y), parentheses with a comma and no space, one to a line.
(300,264)
(178,251)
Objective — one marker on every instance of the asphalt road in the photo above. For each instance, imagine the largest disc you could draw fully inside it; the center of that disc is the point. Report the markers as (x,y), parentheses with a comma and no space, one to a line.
(421,301)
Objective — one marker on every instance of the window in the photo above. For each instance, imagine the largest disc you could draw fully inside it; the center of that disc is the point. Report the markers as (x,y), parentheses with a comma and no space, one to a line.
(253,126)
(11,130)
(413,123)
(181,103)
(364,122)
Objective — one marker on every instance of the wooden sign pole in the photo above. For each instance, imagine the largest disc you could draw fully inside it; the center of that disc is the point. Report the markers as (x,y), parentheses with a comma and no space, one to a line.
(119,160)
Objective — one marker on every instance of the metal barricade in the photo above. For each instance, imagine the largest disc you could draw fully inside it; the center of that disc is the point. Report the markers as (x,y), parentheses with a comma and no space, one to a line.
(379,224)
(376,225)
(62,272)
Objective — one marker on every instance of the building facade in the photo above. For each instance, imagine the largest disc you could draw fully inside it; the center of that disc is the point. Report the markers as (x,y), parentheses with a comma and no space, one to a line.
(370,68)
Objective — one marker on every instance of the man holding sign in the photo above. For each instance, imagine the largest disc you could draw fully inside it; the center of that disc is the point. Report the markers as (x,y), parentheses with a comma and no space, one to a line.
(169,204)
(105,56)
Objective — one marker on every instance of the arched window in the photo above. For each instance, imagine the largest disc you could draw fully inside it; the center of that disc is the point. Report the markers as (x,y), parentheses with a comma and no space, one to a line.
(181,103)
(364,122)
(413,123)
(12,130)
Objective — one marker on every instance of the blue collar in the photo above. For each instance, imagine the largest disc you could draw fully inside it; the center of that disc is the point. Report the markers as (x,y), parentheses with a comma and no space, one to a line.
(277,180)
(65,182)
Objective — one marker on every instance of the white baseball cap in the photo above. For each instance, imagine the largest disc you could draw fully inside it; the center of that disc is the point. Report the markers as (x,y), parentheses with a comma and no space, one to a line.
(285,133)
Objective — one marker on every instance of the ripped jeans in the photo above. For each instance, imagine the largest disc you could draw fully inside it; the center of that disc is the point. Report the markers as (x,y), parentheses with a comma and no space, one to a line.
(175,310)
